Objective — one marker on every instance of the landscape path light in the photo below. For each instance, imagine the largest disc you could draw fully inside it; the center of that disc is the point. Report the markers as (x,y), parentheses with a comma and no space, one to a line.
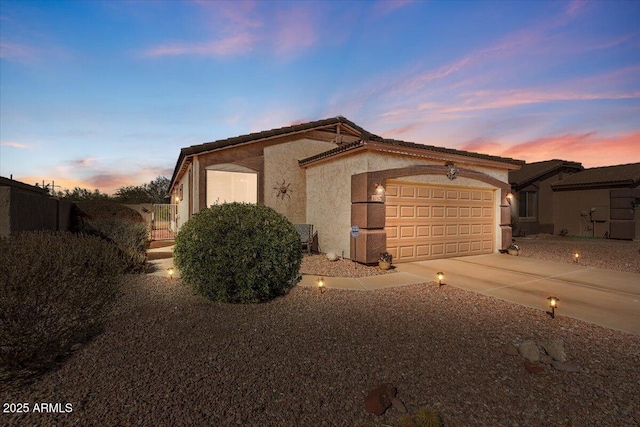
(320,283)
(440,275)
(553,303)
(576,257)
(170,271)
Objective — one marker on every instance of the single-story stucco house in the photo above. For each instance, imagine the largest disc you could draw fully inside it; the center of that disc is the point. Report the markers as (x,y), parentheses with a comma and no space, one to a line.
(415,201)
(532,207)
(599,202)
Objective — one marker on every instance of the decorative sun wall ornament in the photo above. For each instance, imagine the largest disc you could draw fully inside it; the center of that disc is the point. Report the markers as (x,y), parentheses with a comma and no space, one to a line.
(283,190)
(453,172)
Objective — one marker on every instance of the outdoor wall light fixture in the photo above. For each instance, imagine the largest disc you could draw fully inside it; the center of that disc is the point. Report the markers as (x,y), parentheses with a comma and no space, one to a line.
(440,275)
(177,199)
(320,283)
(509,198)
(553,303)
(379,188)
(170,271)
(576,257)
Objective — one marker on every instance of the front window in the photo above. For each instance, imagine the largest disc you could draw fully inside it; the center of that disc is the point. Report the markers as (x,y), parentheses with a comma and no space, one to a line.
(528,204)
(228,187)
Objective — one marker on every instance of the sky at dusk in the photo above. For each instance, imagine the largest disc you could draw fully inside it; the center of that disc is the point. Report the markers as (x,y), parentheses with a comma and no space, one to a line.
(105,94)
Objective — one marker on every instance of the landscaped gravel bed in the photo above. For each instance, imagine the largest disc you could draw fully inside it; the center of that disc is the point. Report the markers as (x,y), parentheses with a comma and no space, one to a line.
(620,255)
(319,265)
(169,358)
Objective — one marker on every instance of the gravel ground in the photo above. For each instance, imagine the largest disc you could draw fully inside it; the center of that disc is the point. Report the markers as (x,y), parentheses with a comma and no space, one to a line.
(620,255)
(171,358)
(319,265)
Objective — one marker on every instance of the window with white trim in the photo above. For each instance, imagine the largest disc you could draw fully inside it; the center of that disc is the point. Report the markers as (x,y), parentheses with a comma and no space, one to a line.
(231,186)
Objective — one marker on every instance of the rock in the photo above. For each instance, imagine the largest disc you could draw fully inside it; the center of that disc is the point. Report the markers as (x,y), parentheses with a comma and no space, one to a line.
(399,405)
(532,367)
(76,347)
(379,399)
(509,349)
(555,349)
(332,256)
(546,359)
(565,366)
(529,350)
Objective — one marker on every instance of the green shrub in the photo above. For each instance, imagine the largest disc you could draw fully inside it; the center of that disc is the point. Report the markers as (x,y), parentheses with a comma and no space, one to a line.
(117,224)
(55,290)
(239,253)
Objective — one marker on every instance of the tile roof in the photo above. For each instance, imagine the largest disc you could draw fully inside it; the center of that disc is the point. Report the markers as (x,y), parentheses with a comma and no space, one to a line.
(607,176)
(364,135)
(531,171)
(404,144)
(256,136)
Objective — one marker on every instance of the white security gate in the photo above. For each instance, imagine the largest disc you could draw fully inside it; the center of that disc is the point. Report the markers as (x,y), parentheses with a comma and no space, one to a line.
(163,222)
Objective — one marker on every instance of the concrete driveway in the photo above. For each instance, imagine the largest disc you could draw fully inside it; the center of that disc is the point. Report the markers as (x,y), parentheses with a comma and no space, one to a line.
(604,297)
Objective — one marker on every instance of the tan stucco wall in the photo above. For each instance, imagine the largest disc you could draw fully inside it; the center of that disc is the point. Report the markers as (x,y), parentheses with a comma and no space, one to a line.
(571,203)
(329,201)
(281,164)
(329,191)
(183,204)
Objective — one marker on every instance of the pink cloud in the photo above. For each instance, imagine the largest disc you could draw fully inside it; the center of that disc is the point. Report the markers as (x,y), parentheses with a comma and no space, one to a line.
(15,145)
(90,174)
(483,100)
(384,7)
(590,148)
(10,50)
(237,44)
(295,32)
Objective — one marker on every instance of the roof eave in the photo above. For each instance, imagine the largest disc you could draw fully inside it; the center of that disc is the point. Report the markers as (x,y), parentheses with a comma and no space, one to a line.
(594,185)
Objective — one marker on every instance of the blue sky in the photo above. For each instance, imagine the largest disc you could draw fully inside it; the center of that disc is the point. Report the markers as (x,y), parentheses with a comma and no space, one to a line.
(104,94)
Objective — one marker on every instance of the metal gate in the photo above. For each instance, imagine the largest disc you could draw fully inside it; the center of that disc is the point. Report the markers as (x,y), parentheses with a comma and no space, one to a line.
(163,222)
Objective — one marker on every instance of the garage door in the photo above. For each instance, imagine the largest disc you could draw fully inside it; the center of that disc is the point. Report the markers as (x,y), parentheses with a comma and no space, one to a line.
(427,222)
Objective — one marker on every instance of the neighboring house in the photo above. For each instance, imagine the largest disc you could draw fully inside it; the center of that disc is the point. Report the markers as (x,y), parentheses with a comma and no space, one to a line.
(415,201)
(532,207)
(599,202)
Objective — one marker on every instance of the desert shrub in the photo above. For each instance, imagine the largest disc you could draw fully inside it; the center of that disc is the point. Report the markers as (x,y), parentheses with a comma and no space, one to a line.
(118,224)
(239,253)
(105,209)
(426,417)
(55,290)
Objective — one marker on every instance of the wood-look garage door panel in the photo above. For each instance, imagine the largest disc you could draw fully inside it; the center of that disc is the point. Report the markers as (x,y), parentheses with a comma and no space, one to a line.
(408,212)
(423,231)
(426,222)
(423,212)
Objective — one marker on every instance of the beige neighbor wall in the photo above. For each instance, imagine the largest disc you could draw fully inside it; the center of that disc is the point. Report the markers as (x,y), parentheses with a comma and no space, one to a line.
(572,211)
(23,209)
(281,165)
(329,192)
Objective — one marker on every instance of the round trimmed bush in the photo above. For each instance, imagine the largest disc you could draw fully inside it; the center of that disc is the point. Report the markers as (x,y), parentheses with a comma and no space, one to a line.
(239,253)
